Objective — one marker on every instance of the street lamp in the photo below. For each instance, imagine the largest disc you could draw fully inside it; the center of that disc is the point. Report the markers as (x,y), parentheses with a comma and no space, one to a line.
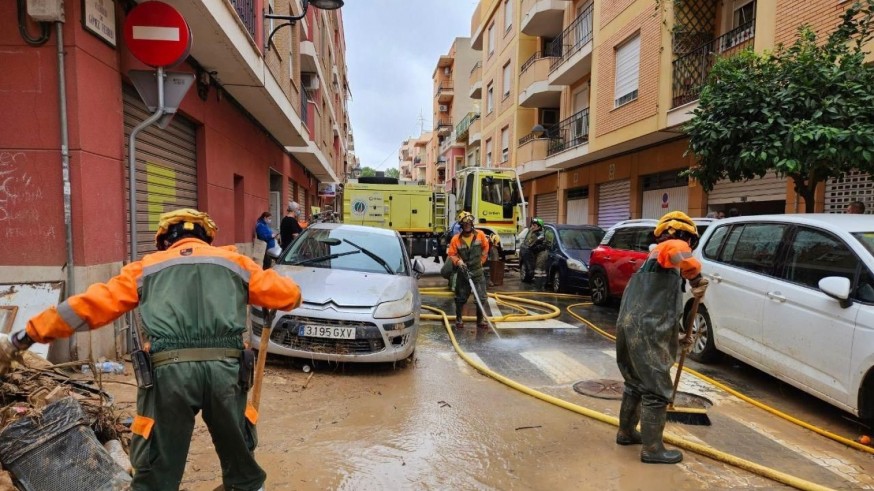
(319,4)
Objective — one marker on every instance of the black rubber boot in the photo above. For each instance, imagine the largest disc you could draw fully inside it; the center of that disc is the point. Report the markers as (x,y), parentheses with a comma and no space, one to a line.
(459,320)
(629,416)
(652,426)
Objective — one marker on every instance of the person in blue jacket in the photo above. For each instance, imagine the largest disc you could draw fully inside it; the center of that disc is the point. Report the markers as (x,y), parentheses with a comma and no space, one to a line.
(265,233)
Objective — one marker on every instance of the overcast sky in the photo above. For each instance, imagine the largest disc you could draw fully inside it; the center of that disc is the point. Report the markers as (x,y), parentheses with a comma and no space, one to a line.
(392,47)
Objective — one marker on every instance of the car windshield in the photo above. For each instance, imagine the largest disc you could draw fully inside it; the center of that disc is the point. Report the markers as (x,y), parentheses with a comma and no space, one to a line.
(575,239)
(867,240)
(331,248)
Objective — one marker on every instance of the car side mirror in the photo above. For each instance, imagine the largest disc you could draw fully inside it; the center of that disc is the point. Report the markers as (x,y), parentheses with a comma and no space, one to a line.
(418,268)
(838,288)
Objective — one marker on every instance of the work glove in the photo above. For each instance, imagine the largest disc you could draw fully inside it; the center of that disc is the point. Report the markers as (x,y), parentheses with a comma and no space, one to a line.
(462,266)
(8,354)
(699,286)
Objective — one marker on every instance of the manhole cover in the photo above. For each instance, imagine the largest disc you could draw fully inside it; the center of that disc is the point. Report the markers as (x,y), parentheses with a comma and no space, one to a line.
(602,388)
(685,399)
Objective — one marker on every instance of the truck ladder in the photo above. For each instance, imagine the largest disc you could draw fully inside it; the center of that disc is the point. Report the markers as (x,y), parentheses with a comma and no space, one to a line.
(439,212)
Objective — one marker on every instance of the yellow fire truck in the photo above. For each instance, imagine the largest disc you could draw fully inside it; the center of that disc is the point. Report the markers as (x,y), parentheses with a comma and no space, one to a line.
(423,216)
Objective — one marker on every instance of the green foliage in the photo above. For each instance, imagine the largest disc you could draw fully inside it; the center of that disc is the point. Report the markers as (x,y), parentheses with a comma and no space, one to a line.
(367,172)
(393,172)
(806,111)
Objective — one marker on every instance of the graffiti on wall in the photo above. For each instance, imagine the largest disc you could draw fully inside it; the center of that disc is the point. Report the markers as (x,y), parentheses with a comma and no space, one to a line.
(160,190)
(22,200)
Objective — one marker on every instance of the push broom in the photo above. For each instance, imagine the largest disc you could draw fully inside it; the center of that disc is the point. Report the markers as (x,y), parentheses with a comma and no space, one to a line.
(687,415)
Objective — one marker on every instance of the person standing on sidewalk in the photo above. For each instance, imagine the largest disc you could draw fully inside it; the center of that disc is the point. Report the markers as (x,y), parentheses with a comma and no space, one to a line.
(193,299)
(289,228)
(647,338)
(468,251)
(265,233)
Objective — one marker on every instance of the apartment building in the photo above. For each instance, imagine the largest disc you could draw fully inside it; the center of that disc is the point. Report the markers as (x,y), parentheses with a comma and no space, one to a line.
(266,122)
(604,88)
(453,108)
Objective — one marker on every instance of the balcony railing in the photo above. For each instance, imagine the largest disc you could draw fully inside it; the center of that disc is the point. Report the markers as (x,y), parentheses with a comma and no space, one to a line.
(572,39)
(462,127)
(691,70)
(246,10)
(570,133)
(532,59)
(443,125)
(445,86)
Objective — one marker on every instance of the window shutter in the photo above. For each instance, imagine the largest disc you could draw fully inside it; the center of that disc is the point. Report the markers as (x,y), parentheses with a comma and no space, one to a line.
(627,71)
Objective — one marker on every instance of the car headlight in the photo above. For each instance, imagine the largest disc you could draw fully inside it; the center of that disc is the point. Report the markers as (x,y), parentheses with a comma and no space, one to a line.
(395,308)
(575,265)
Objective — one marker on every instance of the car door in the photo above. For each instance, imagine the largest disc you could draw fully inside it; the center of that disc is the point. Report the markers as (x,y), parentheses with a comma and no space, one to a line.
(633,257)
(739,273)
(552,247)
(617,257)
(807,337)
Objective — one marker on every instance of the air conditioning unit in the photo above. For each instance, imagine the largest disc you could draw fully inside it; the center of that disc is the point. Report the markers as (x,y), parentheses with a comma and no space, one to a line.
(444,108)
(310,81)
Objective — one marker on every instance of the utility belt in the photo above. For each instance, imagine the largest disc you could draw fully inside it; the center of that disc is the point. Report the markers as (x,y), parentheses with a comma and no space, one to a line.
(246,357)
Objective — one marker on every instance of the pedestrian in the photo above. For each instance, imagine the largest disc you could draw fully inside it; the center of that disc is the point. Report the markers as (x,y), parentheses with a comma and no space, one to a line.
(289,228)
(264,233)
(192,297)
(647,337)
(856,208)
(733,212)
(720,215)
(468,251)
(535,249)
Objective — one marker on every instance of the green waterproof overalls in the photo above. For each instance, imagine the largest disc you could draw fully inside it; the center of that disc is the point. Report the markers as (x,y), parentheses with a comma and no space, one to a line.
(472,257)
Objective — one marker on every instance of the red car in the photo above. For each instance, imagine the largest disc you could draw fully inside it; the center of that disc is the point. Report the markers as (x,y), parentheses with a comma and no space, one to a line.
(622,251)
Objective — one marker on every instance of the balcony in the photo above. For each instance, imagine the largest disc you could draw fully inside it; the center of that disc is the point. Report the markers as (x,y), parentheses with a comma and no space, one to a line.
(476,81)
(309,59)
(462,128)
(572,50)
(543,17)
(531,157)
(477,28)
(419,162)
(246,10)
(534,80)
(445,92)
(568,141)
(690,71)
(443,126)
(474,132)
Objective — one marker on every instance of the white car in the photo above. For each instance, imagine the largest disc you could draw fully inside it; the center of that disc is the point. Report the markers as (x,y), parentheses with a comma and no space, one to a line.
(793,295)
(360,294)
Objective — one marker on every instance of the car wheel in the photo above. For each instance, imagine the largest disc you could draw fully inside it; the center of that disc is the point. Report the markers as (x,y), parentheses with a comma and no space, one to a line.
(555,282)
(704,349)
(600,289)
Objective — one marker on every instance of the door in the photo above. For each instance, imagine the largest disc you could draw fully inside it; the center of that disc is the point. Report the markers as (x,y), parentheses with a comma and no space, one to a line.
(546,207)
(740,269)
(807,336)
(578,211)
(657,202)
(854,186)
(614,202)
(166,168)
(768,188)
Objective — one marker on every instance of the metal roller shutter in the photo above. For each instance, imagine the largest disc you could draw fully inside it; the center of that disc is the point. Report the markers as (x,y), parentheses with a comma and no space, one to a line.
(166,168)
(546,207)
(855,186)
(300,198)
(614,202)
(657,202)
(768,188)
(578,211)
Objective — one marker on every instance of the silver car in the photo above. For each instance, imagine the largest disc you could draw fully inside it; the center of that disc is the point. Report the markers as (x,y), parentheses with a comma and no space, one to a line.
(360,297)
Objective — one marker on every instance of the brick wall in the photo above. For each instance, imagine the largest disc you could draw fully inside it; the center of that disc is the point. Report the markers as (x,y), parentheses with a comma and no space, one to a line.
(609,10)
(822,15)
(646,105)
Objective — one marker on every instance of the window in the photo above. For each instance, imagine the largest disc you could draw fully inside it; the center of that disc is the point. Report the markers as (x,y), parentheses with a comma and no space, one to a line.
(627,71)
(508,15)
(624,239)
(491,39)
(814,254)
(490,99)
(711,250)
(507,80)
(489,152)
(505,144)
(754,247)
(744,14)
(496,190)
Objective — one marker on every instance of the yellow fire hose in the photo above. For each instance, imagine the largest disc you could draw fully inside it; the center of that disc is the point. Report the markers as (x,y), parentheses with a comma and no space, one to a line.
(745,398)
(705,450)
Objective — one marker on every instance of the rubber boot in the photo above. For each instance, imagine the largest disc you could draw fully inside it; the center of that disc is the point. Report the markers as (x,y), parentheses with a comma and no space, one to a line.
(480,321)
(629,416)
(459,320)
(652,426)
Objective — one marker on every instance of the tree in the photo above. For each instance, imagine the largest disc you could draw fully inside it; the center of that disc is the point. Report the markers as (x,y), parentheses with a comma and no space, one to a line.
(806,112)
(367,172)
(393,172)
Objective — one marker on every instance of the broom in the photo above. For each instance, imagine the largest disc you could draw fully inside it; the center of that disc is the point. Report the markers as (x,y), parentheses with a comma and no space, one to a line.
(687,415)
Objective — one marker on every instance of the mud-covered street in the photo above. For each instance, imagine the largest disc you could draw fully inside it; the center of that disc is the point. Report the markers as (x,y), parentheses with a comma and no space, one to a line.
(438,423)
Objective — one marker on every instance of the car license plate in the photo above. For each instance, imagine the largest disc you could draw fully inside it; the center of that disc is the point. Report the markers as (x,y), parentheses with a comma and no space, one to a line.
(332,332)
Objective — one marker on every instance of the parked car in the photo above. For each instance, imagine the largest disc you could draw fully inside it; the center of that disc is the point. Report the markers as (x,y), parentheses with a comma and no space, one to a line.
(567,264)
(360,296)
(793,295)
(622,251)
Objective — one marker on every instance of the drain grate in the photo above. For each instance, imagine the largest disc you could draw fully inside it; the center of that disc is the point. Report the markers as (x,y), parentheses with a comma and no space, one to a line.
(602,388)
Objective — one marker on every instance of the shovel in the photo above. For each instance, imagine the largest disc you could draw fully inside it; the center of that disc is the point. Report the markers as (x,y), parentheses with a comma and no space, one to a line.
(262,357)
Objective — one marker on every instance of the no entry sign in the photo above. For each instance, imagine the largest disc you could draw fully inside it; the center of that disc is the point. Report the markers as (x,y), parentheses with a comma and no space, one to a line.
(157,34)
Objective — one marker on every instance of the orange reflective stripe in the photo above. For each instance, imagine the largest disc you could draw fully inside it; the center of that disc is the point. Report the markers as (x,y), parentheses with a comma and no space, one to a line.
(142,426)
(251,414)
(678,257)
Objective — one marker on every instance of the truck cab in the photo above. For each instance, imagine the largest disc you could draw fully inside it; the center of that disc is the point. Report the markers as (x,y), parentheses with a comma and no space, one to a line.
(494,198)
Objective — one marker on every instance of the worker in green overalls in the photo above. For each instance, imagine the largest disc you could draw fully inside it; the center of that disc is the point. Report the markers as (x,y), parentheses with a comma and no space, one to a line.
(468,251)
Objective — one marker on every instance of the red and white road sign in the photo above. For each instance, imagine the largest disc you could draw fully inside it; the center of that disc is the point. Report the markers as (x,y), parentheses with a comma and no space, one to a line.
(157,34)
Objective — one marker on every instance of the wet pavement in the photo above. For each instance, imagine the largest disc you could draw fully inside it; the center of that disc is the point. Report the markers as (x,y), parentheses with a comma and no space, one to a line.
(437,423)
